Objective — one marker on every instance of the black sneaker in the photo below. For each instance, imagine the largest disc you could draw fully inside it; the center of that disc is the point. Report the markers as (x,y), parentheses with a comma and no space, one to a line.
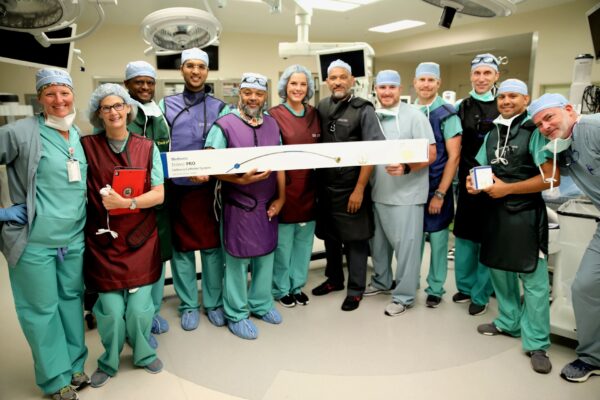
(579,371)
(301,299)
(351,303)
(476,309)
(287,301)
(326,288)
(433,301)
(461,298)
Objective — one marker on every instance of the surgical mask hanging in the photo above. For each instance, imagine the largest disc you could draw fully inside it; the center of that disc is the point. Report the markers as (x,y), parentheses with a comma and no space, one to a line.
(151,109)
(552,146)
(58,123)
(558,145)
(500,151)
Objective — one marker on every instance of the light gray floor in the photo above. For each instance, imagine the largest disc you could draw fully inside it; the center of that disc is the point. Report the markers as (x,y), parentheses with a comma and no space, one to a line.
(319,352)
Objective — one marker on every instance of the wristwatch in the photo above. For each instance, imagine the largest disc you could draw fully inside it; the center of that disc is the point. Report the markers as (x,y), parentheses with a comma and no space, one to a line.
(133,204)
(406,169)
(439,194)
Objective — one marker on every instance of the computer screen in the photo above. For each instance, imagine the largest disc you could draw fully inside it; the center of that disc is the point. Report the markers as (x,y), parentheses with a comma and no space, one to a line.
(593,16)
(355,58)
(25,50)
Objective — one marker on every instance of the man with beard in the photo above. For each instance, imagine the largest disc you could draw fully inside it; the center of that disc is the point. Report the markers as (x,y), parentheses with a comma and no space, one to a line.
(344,207)
(140,81)
(514,241)
(190,200)
(576,139)
(251,202)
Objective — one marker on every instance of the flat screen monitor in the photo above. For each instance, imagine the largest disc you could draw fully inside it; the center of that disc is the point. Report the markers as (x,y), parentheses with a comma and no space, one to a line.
(593,16)
(354,57)
(173,61)
(25,50)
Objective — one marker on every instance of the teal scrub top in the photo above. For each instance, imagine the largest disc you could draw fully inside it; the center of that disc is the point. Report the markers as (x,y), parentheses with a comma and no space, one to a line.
(59,204)
(216,138)
(156,176)
(450,126)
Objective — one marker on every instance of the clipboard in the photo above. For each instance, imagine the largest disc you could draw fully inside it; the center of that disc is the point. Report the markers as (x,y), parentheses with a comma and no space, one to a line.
(129,183)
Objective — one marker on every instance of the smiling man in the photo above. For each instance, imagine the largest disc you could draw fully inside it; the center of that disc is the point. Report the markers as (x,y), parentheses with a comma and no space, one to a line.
(476,114)
(344,212)
(514,242)
(576,139)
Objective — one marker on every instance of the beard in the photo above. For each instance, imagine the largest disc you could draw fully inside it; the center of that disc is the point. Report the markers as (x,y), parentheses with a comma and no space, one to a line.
(252,112)
(340,95)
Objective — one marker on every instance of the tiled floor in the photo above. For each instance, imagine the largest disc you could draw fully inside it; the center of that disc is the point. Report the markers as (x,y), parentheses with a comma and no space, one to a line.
(319,352)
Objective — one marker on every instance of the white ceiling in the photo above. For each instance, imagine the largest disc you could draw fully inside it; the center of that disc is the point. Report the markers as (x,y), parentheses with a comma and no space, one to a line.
(350,26)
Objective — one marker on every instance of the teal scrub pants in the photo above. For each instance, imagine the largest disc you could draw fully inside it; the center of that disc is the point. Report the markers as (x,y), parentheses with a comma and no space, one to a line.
(438,263)
(292,258)
(239,300)
(121,314)
(530,320)
(183,268)
(48,295)
(472,277)
(158,289)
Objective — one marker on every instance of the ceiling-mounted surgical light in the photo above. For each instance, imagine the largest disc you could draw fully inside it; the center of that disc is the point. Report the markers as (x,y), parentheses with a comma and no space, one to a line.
(40,16)
(172,30)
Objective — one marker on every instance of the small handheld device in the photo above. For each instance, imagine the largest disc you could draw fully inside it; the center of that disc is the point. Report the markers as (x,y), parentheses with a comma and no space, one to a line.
(482,177)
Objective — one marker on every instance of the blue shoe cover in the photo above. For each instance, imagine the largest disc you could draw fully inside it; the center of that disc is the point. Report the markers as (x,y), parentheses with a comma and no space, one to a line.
(272,317)
(190,319)
(152,341)
(217,317)
(244,329)
(159,325)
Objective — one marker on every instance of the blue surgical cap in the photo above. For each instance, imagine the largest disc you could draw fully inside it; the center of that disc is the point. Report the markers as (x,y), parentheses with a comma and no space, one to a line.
(388,77)
(514,86)
(548,100)
(339,64)
(285,78)
(48,76)
(194,54)
(486,60)
(253,81)
(139,68)
(105,90)
(428,69)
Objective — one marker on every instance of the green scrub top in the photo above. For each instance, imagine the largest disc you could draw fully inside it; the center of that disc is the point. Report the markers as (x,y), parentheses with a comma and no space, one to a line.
(59,204)
(450,126)
(216,138)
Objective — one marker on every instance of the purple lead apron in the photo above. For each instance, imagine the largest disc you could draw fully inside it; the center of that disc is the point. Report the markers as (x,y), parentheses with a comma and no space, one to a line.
(247,230)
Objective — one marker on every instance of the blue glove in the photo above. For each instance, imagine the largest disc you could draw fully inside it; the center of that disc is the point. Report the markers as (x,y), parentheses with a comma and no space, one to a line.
(16,213)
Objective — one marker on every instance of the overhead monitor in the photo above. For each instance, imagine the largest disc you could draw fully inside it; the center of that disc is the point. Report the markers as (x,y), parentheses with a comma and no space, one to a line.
(355,57)
(593,17)
(173,61)
(25,49)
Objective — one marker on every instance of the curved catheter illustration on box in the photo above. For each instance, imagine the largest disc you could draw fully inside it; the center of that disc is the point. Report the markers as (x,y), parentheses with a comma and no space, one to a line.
(237,166)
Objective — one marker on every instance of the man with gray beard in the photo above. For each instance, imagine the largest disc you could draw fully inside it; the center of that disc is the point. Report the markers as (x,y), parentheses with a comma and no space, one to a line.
(344,208)
(251,202)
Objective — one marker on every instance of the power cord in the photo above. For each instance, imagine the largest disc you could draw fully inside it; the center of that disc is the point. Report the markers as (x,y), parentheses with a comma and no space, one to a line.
(591,99)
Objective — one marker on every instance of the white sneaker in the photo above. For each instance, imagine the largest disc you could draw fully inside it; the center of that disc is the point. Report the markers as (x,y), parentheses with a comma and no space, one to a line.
(395,309)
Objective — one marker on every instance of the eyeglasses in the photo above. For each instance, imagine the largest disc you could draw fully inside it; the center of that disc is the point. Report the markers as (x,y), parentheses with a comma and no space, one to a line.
(485,60)
(116,106)
(254,79)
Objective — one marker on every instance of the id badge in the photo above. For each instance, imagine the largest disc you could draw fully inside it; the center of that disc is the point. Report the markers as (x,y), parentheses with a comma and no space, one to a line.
(73,170)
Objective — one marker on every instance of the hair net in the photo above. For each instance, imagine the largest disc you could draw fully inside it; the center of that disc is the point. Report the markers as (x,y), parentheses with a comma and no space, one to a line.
(514,86)
(194,54)
(49,76)
(548,100)
(139,68)
(253,80)
(388,77)
(339,64)
(285,78)
(428,69)
(105,90)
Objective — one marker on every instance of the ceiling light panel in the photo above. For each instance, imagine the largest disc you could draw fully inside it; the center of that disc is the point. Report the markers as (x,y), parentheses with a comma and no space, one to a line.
(397,26)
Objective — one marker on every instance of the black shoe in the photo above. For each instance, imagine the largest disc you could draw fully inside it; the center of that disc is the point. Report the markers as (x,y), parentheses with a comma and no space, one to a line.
(476,309)
(287,301)
(433,301)
(301,299)
(326,288)
(461,298)
(351,303)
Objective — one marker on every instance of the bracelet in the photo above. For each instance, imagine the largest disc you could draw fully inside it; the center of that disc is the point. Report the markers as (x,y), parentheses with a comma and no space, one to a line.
(439,194)
(406,169)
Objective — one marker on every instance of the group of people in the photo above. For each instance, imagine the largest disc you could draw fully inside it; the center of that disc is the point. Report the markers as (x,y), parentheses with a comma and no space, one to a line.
(72,226)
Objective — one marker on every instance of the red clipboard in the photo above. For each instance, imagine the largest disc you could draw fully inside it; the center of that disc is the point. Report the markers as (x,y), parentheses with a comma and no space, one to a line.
(129,183)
